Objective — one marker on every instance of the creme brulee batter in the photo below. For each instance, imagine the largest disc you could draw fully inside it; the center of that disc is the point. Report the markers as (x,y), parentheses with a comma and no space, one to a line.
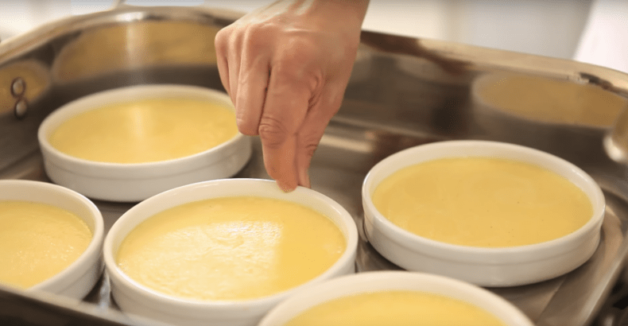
(37,241)
(482,202)
(231,248)
(399,308)
(146,130)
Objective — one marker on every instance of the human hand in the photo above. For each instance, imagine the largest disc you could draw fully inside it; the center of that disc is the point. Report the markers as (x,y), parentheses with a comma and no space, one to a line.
(286,67)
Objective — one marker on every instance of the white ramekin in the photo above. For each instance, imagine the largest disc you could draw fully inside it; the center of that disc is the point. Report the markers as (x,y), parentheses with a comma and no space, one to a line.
(140,300)
(138,181)
(395,281)
(483,266)
(79,277)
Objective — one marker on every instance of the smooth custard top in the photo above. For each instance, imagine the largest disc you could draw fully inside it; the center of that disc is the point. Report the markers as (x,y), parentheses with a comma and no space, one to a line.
(37,241)
(146,130)
(232,248)
(399,308)
(482,202)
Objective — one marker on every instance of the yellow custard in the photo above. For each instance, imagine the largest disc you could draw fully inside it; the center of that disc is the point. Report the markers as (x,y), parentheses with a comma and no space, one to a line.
(232,248)
(482,202)
(37,241)
(146,130)
(398,308)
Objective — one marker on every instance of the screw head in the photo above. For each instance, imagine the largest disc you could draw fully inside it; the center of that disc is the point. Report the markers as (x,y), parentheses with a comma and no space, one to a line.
(18,87)
(21,108)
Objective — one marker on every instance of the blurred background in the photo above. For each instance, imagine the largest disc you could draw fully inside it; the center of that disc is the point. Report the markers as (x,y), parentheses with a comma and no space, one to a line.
(550,28)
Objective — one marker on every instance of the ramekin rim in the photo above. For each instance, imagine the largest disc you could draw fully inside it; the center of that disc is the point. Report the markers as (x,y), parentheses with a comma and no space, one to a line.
(49,149)
(117,275)
(371,280)
(93,251)
(417,240)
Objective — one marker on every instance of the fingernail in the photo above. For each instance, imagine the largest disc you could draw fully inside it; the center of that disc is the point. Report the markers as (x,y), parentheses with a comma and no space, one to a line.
(284,187)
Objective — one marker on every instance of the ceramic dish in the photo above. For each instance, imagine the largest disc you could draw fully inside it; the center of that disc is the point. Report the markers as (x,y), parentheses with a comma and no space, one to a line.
(141,300)
(399,281)
(138,181)
(78,278)
(507,266)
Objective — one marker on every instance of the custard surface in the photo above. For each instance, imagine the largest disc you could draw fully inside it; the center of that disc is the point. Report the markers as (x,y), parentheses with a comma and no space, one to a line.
(143,131)
(231,248)
(399,308)
(482,202)
(37,241)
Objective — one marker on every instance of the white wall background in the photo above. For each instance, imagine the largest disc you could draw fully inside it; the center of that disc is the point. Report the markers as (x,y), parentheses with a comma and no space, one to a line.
(543,27)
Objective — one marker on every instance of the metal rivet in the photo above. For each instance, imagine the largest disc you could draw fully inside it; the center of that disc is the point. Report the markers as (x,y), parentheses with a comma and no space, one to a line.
(18,86)
(21,107)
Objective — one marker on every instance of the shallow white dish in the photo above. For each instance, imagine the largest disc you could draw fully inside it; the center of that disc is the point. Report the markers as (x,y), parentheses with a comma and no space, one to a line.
(483,266)
(138,181)
(391,281)
(79,278)
(140,300)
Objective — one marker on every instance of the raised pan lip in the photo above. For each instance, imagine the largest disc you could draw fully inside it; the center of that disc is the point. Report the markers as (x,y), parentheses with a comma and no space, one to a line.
(418,241)
(372,280)
(131,285)
(482,81)
(92,250)
(77,104)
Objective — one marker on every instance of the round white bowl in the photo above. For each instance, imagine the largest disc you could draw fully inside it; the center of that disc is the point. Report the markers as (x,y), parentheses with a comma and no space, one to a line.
(79,277)
(395,281)
(508,266)
(138,181)
(140,300)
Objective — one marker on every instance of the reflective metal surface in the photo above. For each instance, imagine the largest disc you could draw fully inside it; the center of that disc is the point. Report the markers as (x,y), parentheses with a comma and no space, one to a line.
(403,92)
(42,309)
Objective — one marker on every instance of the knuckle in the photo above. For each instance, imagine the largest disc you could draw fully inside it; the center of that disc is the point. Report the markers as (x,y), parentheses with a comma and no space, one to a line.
(298,65)
(302,47)
(296,57)
(259,33)
(308,143)
(222,39)
(272,131)
(234,42)
(228,39)
(297,76)
(332,105)
(309,149)
(285,74)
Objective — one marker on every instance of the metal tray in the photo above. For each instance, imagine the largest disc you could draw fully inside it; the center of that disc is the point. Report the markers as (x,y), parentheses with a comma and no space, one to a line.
(403,92)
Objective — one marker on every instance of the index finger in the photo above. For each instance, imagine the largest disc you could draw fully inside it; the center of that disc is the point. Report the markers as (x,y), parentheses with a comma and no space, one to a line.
(285,108)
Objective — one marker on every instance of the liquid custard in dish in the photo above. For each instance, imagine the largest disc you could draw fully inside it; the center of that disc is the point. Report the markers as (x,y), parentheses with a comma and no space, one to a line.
(231,248)
(147,130)
(399,308)
(482,202)
(37,241)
